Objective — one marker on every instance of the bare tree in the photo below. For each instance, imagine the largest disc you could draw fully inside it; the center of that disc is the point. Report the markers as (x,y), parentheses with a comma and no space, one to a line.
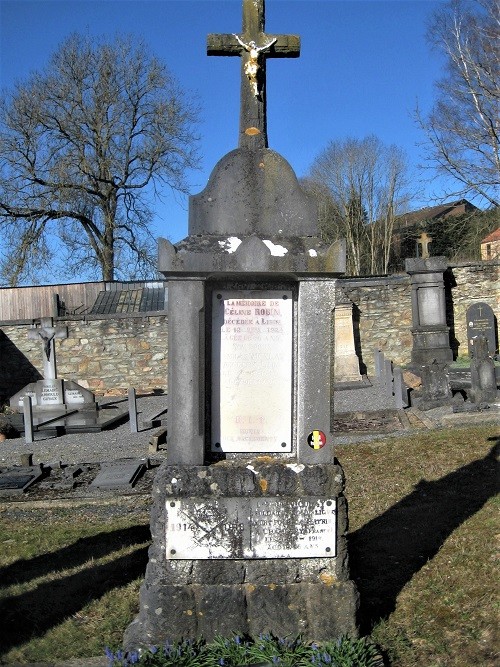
(82,147)
(367,183)
(463,129)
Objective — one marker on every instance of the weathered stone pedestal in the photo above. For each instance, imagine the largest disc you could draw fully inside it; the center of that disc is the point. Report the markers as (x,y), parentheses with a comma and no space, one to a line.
(242,519)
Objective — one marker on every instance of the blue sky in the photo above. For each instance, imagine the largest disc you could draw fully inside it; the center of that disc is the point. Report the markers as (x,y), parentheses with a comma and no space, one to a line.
(364,65)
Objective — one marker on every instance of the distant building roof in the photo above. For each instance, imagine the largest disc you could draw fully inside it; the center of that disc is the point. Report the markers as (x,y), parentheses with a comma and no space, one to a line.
(494,236)
(435,213)
(142,300)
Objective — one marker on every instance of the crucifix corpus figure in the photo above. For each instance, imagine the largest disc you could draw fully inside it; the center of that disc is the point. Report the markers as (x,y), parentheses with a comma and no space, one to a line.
(252,65)
(47,332)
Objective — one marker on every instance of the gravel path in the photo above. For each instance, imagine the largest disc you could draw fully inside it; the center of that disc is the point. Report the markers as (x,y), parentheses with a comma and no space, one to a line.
(119,443)
(116,443)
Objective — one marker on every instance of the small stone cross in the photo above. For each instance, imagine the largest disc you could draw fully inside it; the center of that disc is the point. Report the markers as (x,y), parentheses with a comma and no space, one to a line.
(47,332)
(254,46)
(424,241)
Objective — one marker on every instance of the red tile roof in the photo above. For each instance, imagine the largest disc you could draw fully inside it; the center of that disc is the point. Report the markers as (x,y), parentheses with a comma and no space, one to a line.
(494,236)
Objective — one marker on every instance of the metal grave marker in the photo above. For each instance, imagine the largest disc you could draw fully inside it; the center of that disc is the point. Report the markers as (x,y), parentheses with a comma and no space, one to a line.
(252,371)
(250,528)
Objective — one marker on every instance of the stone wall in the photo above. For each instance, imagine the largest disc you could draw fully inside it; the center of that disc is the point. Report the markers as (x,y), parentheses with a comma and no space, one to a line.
(468,284)
(111,353)
(382,318)
(107,355)
(382,310)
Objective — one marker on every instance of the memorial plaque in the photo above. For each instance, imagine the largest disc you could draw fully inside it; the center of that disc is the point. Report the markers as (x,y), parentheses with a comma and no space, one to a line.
(252,371)
(250,528)
(481,322)
(49,393)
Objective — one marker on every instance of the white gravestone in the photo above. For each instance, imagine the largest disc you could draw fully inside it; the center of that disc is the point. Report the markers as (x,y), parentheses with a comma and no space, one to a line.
(252,356)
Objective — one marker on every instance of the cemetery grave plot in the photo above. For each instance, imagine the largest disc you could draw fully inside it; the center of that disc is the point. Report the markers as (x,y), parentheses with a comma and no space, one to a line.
(348,423)
(56,481)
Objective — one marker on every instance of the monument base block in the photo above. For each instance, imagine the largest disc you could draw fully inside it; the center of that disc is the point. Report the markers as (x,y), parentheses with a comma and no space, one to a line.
(247,546)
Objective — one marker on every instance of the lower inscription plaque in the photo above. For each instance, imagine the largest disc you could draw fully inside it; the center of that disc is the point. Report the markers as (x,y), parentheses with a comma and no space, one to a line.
(250,528)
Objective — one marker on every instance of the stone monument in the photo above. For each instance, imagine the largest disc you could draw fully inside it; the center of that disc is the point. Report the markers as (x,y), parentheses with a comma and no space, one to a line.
(52,393)
(249,518)
(482,370)
(346,359)
(431,335)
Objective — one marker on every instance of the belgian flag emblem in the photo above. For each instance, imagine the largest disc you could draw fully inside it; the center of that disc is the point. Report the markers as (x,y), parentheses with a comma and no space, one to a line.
(316,439)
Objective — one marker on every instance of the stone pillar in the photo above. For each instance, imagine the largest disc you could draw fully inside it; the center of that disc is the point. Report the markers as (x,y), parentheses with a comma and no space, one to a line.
(249,519)
(346,359)
(315,368)
(186,372)
(430,333)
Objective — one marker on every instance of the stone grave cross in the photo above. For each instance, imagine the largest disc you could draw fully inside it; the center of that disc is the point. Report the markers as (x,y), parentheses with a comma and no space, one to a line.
(47,333)
(423,241)
(254,46)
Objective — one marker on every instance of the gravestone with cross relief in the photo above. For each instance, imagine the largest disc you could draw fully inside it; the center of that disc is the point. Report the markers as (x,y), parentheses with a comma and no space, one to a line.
(249,519)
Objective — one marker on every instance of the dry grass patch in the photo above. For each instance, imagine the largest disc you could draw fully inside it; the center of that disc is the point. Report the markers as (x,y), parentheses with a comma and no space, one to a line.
(423,518)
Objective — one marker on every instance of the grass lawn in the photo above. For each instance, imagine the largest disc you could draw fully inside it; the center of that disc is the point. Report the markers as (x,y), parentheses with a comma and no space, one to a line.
(423,520)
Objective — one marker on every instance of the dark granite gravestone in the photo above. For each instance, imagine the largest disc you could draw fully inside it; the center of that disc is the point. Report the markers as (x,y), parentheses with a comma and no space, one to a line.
(481,322)
(118,475)
(249,518)
(482,372)
(17,480)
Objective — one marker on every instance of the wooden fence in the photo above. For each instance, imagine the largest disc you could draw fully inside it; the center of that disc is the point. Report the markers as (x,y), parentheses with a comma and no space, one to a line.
(31,303)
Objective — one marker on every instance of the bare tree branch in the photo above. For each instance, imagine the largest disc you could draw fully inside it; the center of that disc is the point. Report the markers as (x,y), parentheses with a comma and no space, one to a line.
(79,145)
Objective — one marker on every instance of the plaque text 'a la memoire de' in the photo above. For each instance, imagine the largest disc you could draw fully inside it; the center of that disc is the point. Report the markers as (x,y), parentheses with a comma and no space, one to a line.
(252,371)
(250,528)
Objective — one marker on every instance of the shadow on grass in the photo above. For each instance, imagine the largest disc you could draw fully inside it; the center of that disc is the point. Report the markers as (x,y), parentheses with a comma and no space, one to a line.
(73,555)
(33,613)
(387,551)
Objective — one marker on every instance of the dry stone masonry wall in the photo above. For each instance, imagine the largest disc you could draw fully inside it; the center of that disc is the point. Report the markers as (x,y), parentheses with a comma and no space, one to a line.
(105,355)
(110,354)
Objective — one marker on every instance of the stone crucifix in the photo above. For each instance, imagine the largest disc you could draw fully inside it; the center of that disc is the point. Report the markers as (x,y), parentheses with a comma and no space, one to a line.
(47,333)
(423,241)
(254,46)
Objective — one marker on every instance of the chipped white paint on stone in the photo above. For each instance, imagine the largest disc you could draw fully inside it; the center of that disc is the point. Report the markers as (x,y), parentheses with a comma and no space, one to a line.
(276,250)
(296,467)
(313,253)
(255,472)
(231,244)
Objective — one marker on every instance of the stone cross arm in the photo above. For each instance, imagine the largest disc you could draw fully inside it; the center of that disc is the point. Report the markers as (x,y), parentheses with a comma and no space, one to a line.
(285,46)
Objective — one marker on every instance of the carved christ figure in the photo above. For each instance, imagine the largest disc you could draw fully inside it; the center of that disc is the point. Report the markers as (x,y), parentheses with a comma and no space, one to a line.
(46,338)
(252,66)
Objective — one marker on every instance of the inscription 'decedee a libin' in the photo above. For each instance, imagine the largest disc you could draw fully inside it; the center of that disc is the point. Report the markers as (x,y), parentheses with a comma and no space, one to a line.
(250,528)
(252,371)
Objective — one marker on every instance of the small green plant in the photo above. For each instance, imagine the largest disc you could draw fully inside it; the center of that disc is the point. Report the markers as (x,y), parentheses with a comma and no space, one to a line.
(184,653)
(346,653)
(267,650)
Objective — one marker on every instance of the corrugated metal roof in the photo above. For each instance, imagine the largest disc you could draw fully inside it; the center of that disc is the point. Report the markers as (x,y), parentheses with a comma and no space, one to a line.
(144,300)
